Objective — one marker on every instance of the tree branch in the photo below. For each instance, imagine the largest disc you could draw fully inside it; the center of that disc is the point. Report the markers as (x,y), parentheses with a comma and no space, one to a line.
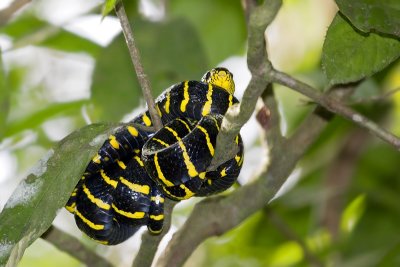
(7,13)
(259,65)
(74,247)
(135,56)
(334,106)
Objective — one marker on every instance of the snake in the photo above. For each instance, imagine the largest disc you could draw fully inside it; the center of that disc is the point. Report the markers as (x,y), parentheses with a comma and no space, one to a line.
(125,184)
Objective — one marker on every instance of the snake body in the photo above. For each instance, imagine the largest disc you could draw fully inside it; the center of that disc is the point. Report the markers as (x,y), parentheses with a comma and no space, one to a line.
(125,184)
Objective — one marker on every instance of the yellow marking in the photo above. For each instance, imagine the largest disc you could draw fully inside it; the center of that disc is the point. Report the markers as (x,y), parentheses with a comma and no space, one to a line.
(237,158)
(107,179)
(137,151)
(237,139)
(188,193)
(88,222)
(159,172)
(157,199)
(159,111)
(160,141)
(189,165)
(185,100)
(113,141)
(184,123)
(99,203)
(157,217)
(210,146)
(207,105)
(139,160)
(155,232)
(230,100)
(167,103)
(209,181)
(216,123)
(101,242)
(241,161)
(146,120)
(144,189)
(121,164)
(106,158)
(223,172)
(133,131)
(73,193)
(132,215)
(202,175)
(71,208)
(96,159)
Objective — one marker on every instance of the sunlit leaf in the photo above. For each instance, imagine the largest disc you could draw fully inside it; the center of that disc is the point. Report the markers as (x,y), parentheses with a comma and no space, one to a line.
(33,205)
(287,254)
(349,56)
(319,241)
(352,214)
(167,54)
(108,7)
(373,15)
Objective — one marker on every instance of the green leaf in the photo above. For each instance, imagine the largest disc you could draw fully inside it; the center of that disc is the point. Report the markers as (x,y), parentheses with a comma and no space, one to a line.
(349,56)
(33,205)
(108,7)
(373,15)
(23,26)
(170,52)
(352,214)
(221,26)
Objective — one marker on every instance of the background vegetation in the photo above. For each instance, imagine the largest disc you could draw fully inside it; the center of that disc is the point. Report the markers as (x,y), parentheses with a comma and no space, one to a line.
(63,66)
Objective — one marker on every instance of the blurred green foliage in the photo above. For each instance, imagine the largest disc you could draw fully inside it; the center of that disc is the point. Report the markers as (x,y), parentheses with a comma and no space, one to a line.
(362,45)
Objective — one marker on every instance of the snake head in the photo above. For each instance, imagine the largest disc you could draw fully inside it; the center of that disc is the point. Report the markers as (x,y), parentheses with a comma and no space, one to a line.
(221,77)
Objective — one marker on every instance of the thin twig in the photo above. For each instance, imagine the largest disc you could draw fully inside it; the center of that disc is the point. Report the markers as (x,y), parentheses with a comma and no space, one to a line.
(135,56)
(150,242)
(74,247)
(8,12)
(334,106)
(376,98)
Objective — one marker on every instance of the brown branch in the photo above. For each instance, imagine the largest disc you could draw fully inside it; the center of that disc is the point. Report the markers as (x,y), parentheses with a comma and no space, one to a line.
(7,13)
(259,65)
(135,56)
(74,247)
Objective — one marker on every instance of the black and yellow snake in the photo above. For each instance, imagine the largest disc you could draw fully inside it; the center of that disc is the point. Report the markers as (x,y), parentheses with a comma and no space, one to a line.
(125,184)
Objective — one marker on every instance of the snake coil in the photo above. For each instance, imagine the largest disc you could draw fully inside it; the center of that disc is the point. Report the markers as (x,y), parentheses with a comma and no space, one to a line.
(125,184)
